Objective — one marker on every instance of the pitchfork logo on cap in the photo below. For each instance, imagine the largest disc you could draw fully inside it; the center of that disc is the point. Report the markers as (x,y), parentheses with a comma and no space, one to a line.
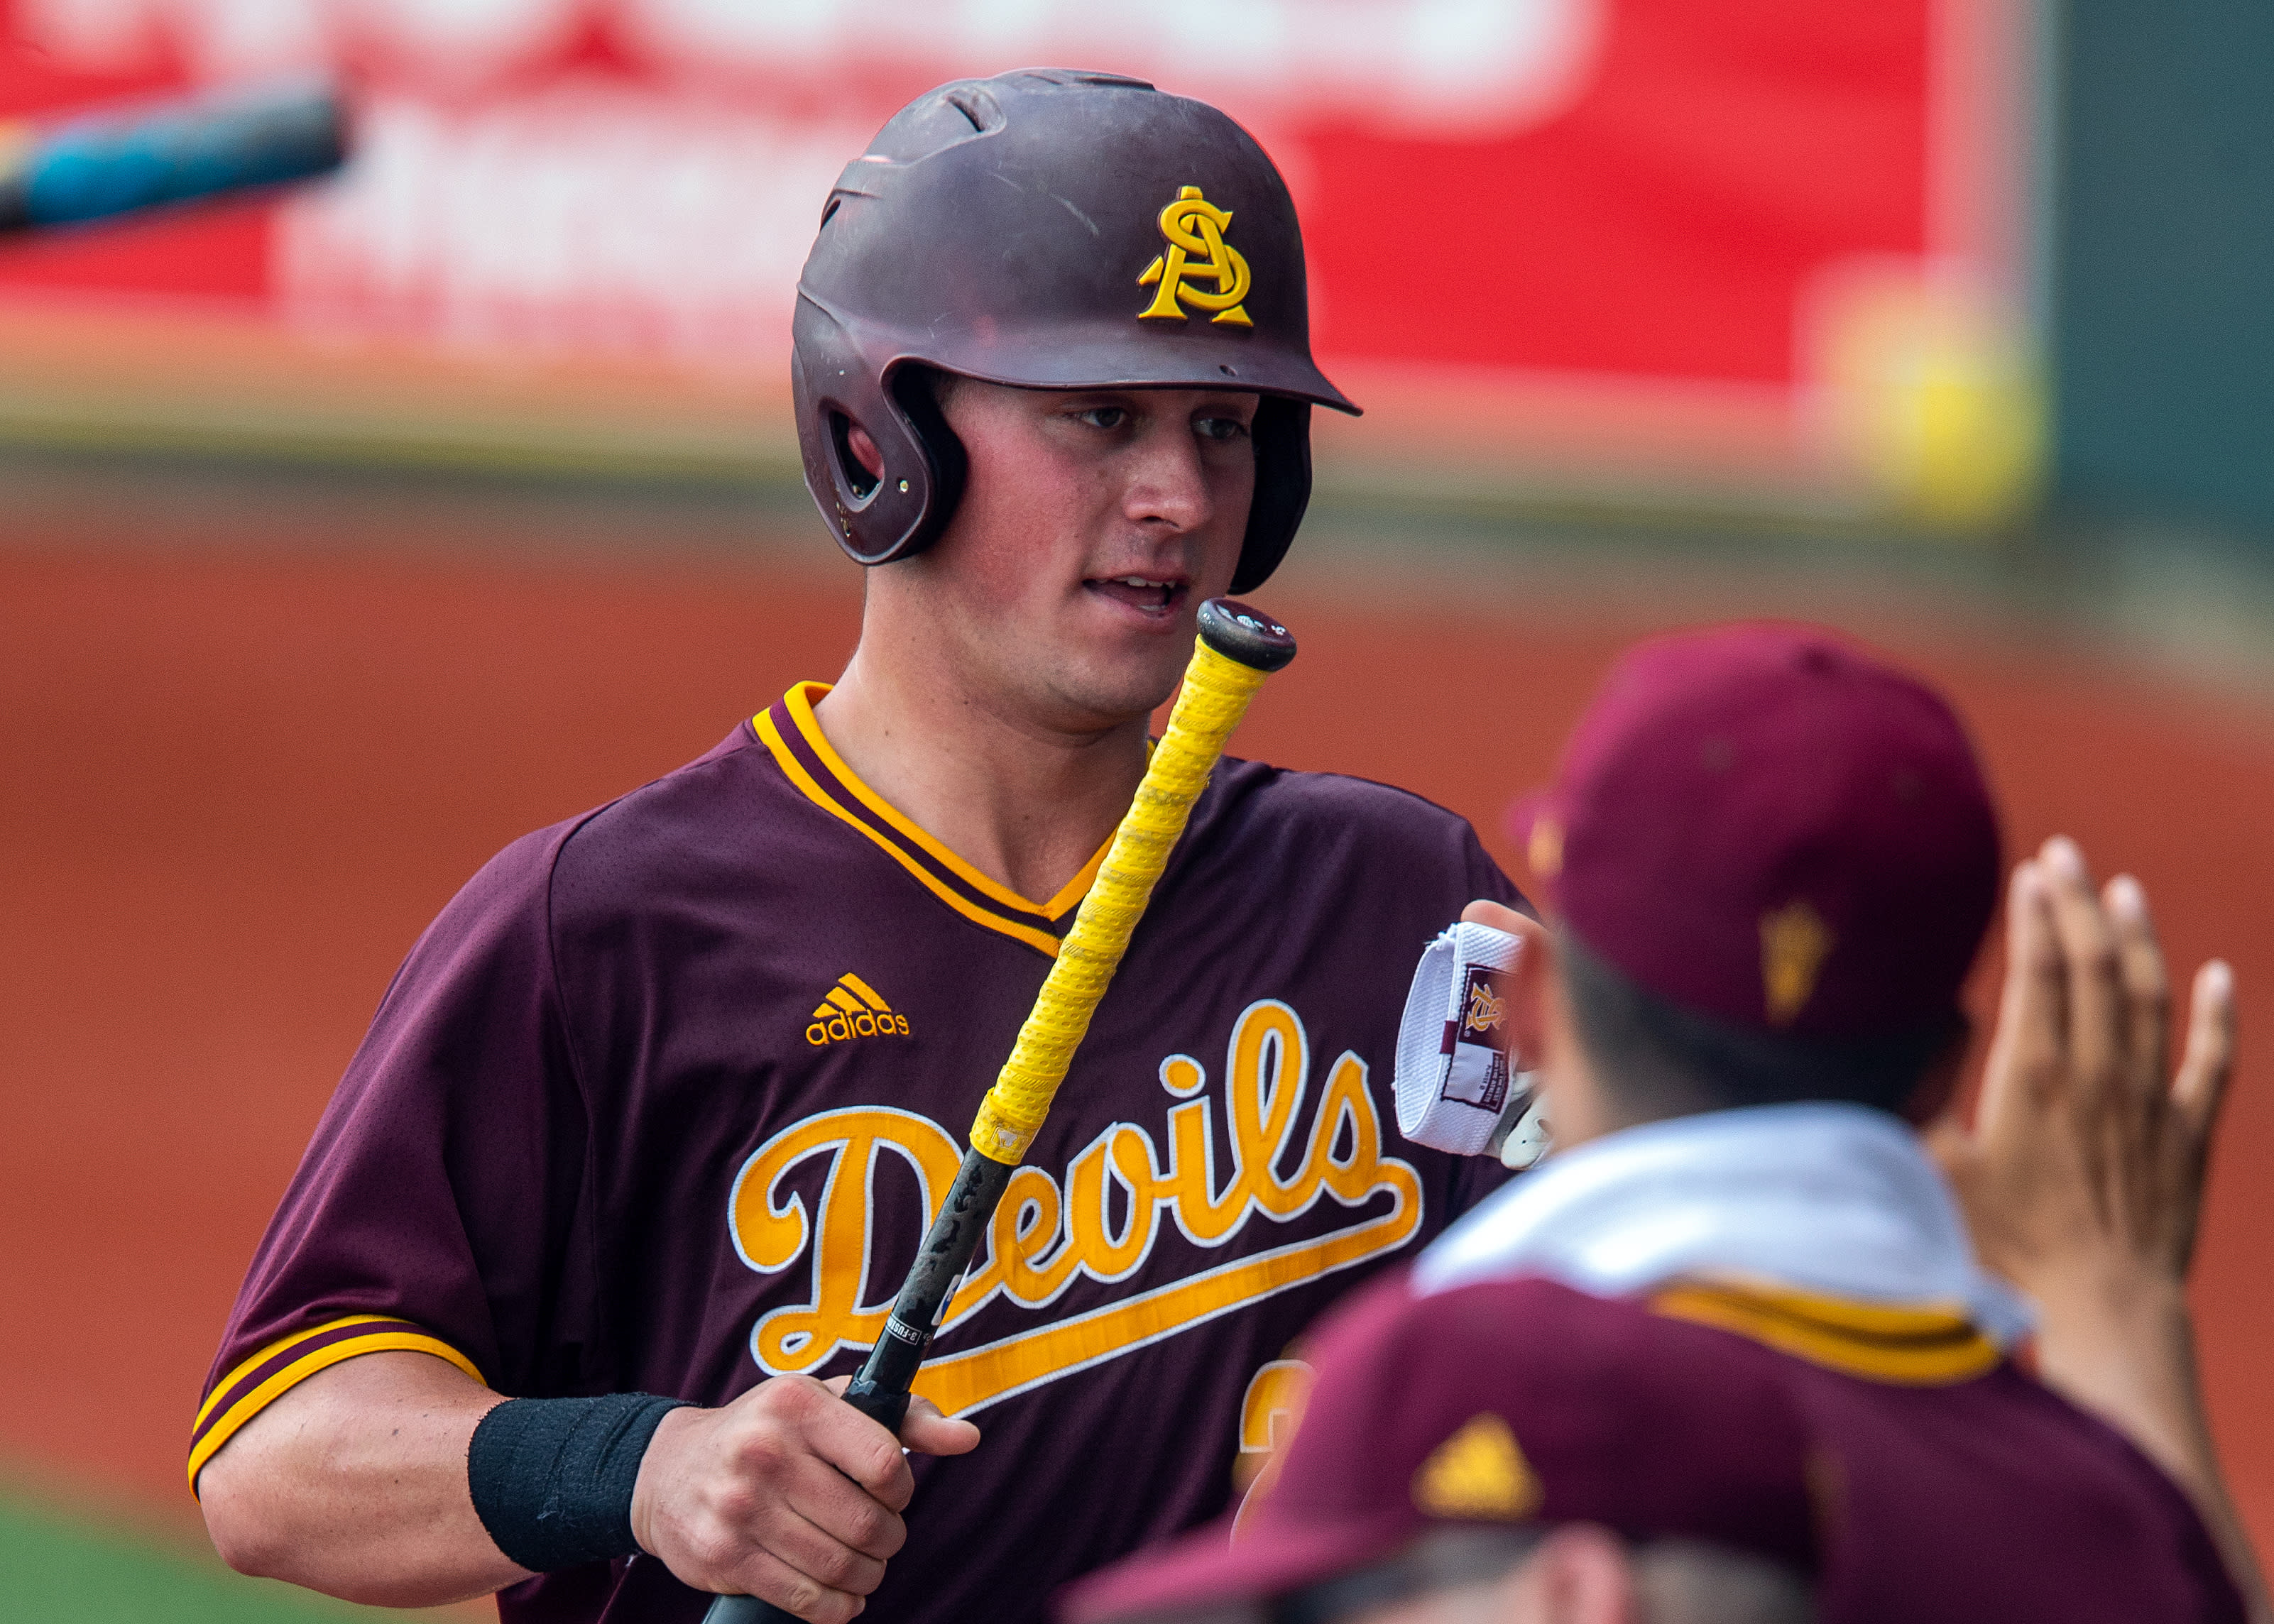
(1197,252)
(1479,1474)
(1794,941)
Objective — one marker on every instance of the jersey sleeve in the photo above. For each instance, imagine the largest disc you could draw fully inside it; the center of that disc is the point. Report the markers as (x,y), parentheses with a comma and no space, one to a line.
(409,1224)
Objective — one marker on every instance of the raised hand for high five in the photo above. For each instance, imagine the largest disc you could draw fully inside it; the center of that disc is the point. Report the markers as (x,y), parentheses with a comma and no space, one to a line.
(2083,1173)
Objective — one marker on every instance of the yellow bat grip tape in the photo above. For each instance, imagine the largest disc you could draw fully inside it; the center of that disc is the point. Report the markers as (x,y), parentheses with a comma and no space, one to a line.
(1215,697)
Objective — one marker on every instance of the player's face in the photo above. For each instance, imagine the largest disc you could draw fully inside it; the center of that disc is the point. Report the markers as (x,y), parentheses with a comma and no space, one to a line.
(1093,527)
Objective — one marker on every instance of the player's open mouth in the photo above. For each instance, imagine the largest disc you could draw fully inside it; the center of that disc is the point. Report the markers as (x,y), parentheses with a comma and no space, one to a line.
(1150,594)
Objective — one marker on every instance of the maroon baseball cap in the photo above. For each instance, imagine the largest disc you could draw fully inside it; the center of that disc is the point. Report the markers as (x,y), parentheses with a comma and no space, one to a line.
(1767,824)
(1513,1403)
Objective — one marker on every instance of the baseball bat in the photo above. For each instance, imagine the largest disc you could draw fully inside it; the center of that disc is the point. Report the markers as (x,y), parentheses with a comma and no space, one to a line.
(1238,647)
(118,160)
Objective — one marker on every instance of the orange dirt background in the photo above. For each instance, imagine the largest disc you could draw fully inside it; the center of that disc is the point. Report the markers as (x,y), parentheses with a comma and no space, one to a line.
(238,783)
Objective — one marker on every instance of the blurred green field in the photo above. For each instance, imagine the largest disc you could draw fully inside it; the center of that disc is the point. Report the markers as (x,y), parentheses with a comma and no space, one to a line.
(59,1567)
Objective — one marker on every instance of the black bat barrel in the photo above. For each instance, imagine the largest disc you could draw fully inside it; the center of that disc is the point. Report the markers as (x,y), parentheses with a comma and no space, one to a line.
(880,1391)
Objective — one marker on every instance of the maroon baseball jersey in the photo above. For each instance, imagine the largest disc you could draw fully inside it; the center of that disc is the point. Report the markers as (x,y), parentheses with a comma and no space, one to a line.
(662,1101)
(1889,1452)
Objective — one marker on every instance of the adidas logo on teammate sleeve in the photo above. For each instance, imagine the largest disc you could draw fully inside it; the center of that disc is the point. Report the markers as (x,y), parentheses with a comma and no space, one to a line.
(853,1010)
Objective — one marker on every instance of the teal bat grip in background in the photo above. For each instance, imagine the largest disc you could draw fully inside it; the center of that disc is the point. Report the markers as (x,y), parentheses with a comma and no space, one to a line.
(115,163)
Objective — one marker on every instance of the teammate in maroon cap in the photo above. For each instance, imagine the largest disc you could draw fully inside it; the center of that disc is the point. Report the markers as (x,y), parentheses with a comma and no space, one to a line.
(657,1105)
(1739,1309)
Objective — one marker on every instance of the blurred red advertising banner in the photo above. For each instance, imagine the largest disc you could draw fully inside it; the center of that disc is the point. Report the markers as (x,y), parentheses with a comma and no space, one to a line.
(1756,242)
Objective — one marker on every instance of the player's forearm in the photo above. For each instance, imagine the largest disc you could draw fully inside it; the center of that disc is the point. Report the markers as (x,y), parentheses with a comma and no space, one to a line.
(2124,1348)
(354,1484)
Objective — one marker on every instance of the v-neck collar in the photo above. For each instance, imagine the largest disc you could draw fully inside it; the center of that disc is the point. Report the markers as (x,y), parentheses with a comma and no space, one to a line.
(790,730)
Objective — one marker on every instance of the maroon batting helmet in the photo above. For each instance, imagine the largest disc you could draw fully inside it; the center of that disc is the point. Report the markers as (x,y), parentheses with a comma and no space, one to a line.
(1050,230)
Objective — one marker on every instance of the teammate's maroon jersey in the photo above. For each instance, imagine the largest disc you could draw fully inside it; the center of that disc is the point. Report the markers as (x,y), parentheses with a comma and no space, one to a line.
(1888,1452)
(659,1103)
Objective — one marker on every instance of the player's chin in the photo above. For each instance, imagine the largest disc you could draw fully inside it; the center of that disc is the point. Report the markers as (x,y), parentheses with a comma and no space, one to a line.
(1108,680)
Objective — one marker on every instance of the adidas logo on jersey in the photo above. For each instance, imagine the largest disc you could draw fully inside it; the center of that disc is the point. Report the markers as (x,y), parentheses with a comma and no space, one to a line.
(853,1010)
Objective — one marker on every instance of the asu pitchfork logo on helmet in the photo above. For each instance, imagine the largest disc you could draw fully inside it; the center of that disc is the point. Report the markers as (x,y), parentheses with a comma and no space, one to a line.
(1194,226)
(993,229)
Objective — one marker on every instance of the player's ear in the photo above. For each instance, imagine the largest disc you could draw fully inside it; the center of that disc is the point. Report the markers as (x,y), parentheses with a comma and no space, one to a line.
(864,450)
(1579,1574)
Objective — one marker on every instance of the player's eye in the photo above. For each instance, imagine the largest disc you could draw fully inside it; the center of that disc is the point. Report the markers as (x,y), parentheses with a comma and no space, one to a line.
(1105,416)
(1220,429)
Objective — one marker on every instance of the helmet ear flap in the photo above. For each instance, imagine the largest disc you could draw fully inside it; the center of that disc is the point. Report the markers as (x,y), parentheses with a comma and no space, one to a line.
(876,518)
(1281,433)
(947,463)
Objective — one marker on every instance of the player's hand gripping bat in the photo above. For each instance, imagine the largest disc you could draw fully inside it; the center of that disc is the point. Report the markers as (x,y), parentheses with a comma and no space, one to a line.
(118,160)
(1237,649)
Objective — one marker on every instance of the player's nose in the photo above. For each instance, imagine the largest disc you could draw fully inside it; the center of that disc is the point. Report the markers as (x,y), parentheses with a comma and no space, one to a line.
(1167,480)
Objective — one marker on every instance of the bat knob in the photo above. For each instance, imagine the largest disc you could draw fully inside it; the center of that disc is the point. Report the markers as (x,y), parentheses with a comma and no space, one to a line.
(1248,635)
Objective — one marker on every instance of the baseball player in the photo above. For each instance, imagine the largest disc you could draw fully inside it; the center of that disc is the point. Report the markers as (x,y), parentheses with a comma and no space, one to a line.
(649,1125)
(1739,1306)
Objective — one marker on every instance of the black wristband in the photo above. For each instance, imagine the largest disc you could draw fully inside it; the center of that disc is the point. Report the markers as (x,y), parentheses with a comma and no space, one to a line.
(552,1478)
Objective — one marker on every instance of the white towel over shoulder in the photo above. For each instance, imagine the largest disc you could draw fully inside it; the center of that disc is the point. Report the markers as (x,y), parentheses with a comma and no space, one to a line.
(1821,1197)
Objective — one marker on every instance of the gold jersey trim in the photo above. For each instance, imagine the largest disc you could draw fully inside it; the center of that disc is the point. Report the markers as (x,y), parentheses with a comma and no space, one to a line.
(962,887)
(232,1403)
(1923,1345)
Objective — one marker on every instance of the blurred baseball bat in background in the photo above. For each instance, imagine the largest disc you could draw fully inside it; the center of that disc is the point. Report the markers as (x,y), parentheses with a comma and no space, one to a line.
(117,160)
